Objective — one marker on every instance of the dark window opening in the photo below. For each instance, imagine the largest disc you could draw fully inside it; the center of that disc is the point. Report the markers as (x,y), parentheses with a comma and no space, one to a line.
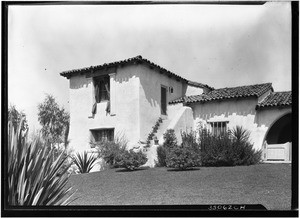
(102,135)
(101,85)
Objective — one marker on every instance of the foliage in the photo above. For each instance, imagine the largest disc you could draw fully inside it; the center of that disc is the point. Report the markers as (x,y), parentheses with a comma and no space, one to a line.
(54,121)
(183,157)
(170,140)
(153,131)
(186,155)
(189,140)
(84,162)
(161,156)
(230,149)
(15,117)
(240,134)
(108,150)
(33,177)
(130,160)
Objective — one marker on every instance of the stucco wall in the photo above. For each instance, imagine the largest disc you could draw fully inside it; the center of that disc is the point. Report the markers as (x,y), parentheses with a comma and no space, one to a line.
(266,117)
(240,112)
(236,111)
(150,97)
(191,90)
(126,108)
(181,122)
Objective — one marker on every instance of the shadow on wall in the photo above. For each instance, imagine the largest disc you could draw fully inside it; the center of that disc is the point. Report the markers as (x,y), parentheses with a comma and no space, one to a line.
(151,87)
(225,108)
(78,82)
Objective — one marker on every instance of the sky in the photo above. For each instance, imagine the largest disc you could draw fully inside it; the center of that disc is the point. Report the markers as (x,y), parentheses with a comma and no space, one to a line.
(218,45)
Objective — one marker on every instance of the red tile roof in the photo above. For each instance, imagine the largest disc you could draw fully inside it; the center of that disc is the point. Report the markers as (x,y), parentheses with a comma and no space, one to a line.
(276,99)
(138,60)
(227,93)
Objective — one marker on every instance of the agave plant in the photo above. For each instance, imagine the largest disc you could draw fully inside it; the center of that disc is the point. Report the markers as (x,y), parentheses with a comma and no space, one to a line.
(33,177)
(84,162)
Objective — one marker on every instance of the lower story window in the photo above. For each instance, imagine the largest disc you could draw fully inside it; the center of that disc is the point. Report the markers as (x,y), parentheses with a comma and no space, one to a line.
(218,128)
(100,135)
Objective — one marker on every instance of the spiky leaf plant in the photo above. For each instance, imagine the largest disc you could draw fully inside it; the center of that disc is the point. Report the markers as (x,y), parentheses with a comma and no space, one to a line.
(33,177)
(84,162)
(240,134)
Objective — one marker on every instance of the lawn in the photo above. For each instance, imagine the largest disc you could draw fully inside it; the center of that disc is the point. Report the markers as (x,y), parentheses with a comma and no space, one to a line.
(266,184)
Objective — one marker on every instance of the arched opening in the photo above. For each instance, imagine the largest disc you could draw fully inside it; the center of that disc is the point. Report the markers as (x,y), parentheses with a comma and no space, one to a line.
(277,145)
(281,131)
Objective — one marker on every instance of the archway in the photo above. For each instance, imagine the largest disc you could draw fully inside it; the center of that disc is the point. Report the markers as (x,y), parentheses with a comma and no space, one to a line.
(277,143)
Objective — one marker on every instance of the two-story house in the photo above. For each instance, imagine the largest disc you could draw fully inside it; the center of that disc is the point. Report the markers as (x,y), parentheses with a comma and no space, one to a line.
(128,97)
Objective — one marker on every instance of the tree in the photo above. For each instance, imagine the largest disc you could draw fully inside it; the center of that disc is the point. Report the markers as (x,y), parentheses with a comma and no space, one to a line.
(15,116)
(54,121)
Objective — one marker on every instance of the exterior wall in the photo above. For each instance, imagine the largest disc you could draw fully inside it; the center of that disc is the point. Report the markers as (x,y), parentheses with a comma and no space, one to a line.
(125,116)
(135,104)
(150,97)
(191,90)
(240,112)
(266,117)
(182,121)
(237,111)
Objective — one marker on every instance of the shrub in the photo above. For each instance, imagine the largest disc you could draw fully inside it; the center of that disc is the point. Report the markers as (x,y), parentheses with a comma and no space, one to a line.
(108,150)
(33,177)
(84,162)
(230,149)
(182,158)
(170,140)
(130,160)
(189,139)
(185,156)
(161,156)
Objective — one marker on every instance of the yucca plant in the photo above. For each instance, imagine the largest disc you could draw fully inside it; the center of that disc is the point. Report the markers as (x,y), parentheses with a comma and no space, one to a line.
(33,177)
(84,162)
(240,134)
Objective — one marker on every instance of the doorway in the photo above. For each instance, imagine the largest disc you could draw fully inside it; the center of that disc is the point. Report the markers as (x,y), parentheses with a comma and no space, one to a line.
(163,102)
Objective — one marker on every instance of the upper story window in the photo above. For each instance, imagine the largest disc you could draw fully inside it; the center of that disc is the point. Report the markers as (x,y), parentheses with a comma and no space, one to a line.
(218,128)
(101,84)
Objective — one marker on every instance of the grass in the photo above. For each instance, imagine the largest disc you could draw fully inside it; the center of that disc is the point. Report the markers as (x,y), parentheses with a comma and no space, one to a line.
(266,184)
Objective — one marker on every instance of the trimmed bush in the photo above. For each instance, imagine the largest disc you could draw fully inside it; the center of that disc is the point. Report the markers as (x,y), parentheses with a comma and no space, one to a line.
(161,156)
(130,160)
(170,140)
(230,149)
(183,157)
(35,175)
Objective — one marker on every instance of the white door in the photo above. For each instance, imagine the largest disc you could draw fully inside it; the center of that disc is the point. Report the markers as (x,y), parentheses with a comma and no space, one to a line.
(278,152)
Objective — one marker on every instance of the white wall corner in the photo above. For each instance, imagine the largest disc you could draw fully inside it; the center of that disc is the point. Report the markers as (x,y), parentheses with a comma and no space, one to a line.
(112,77)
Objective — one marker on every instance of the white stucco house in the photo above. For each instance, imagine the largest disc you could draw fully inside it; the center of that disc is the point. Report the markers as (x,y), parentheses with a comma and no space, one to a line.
(128,97)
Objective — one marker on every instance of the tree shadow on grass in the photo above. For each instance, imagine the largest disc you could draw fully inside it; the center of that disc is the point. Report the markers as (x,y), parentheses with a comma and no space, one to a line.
(127,170)
(179,170)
